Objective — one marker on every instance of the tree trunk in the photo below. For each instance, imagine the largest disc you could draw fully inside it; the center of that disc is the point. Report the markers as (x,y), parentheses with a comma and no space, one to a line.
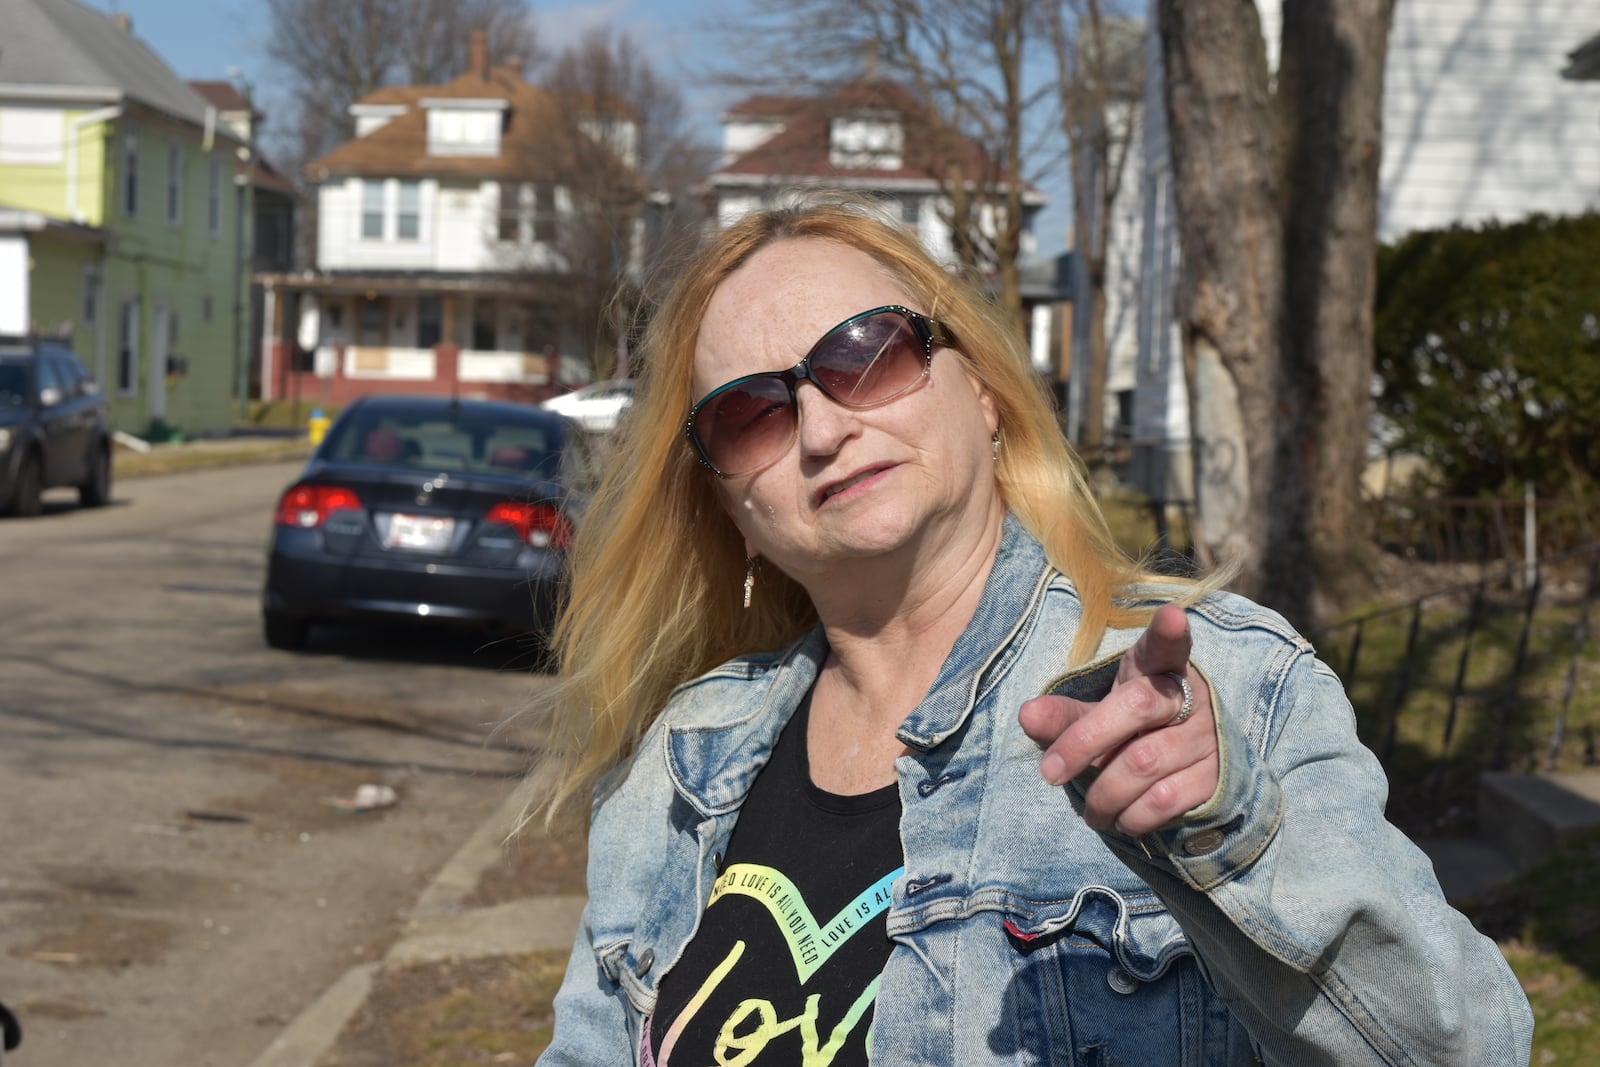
(1225,176)
(1277,200)
(1330,100)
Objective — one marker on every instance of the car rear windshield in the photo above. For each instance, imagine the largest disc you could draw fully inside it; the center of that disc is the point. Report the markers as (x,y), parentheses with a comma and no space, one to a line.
(13,385)
(461,443)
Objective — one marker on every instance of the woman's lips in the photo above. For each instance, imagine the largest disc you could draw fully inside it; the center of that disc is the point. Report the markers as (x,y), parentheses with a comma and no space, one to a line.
(843,485)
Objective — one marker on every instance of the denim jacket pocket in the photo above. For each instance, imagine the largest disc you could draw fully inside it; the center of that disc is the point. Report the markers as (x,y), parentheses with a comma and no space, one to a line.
(1134,930)
(1083,968)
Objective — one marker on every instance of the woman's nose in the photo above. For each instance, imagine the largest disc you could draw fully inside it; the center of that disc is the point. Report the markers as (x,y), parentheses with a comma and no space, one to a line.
(824,425)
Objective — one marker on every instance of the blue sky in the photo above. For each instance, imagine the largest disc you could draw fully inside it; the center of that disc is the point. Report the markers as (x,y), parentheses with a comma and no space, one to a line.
(222,39)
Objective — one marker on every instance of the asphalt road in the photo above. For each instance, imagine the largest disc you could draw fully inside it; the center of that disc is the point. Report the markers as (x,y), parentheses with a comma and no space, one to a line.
(176,881)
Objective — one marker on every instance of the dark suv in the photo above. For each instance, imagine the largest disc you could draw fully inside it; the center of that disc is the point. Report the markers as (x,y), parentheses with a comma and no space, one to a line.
(54,426)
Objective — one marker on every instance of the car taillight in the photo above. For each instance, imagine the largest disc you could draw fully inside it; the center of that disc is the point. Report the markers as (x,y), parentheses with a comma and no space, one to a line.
(308,506)
(540,525)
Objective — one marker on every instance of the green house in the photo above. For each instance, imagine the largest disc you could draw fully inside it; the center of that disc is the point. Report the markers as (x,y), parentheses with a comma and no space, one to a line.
(125,216)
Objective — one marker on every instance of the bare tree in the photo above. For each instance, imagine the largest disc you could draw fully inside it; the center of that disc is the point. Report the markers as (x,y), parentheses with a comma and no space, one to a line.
(965,60)
(338,51)
(1277,201)
(628,162)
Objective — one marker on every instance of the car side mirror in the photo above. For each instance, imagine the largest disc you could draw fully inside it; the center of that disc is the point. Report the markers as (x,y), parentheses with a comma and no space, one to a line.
(49,396)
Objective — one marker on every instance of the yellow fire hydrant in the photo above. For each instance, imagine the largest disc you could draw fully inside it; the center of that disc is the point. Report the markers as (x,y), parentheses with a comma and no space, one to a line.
(317,427)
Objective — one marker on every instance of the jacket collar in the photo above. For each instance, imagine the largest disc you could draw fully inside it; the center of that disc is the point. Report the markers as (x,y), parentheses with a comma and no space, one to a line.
(726,723)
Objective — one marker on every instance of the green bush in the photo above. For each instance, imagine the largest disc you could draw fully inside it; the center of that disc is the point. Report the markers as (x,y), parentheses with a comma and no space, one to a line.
(1488,353)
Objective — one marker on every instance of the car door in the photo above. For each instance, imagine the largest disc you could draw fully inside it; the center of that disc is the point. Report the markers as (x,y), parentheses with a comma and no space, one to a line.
(57,430)
(81,406)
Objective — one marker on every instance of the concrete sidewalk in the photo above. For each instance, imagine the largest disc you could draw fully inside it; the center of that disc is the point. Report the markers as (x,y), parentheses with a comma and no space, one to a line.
(438,927)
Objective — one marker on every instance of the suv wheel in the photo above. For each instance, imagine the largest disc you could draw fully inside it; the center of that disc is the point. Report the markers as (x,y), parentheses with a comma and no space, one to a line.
(96,492)
(284,631)
(25,494)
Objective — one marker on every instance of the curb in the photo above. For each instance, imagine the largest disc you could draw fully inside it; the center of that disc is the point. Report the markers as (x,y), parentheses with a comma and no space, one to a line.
(438,928)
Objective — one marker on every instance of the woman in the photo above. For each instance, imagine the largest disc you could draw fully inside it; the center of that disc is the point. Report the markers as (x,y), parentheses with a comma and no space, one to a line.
(894,755)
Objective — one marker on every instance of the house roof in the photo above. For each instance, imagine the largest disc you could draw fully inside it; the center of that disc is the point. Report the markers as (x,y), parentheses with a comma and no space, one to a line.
(23,220)
(536,142)
(801,149)
(61,47)
(224,96)
(1583,62)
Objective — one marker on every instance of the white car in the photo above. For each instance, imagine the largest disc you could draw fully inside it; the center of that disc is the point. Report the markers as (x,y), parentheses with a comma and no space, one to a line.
(598,407)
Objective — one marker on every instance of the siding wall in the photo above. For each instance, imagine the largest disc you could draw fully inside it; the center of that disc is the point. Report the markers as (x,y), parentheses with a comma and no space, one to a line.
(1478,122)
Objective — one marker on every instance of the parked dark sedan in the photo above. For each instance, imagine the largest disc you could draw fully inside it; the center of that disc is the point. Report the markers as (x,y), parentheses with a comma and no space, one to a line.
(55,426)
(428,508)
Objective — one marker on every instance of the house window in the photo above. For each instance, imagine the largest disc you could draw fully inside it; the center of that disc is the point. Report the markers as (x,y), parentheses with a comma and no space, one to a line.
(510,214)
(911,210)
(214,198)
(32,136)
(484,334)
(372,210)
(544,212)
(869,141)
(128,346)
(370,329)
(409,221)
(430,321)
(174,183)
(130,173)
(91,295)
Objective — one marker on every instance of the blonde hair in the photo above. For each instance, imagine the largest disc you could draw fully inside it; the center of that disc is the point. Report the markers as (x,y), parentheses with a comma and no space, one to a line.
(658,566)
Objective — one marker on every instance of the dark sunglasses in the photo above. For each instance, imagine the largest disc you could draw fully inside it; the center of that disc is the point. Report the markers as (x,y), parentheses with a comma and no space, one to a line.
(866,360)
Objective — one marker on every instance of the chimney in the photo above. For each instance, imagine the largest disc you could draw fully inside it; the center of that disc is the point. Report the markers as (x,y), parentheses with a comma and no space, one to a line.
(479,61)
(124,21)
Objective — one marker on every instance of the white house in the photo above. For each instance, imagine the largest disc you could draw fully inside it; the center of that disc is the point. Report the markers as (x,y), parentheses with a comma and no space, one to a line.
(435,226)
(862,138)
(1487,116)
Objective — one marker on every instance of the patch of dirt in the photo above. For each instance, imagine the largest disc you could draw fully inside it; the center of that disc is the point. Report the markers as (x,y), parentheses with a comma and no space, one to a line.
(492,1010)
(99,939)
(533,864)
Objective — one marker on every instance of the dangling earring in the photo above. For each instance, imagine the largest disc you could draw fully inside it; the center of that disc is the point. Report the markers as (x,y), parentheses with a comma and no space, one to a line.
(994,439)
(749,578)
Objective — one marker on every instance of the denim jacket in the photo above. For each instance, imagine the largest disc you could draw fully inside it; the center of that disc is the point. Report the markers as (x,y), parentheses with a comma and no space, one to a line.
(1284,920)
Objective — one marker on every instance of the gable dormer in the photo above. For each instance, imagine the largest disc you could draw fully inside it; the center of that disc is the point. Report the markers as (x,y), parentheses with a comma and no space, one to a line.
(464,127)
(371,117)
(867,140)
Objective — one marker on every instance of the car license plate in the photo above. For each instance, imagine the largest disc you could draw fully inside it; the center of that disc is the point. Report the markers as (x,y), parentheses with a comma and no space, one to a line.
(421,532)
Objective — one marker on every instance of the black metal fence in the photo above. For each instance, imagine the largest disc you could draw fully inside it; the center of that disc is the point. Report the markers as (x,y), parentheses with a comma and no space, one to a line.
(1495,673)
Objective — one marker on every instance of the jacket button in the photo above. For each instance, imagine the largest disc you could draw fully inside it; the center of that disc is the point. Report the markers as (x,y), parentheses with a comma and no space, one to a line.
(1121,981)
(642,964)
(1203,843)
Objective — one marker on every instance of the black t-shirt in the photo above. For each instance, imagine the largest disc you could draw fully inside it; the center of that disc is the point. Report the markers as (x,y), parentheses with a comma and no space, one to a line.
(784,968)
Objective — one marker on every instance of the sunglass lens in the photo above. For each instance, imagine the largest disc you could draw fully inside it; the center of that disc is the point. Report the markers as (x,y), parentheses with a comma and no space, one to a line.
(746,424)
(869,360)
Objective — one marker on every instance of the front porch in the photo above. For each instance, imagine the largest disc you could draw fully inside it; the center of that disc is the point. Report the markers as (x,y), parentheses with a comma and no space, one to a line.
(334,338)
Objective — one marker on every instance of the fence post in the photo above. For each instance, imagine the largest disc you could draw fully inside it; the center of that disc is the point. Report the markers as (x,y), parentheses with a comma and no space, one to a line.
(1473,611)
(1402,684)
(1530,544)
(1580,637)
(1514,681)
(1355,650)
